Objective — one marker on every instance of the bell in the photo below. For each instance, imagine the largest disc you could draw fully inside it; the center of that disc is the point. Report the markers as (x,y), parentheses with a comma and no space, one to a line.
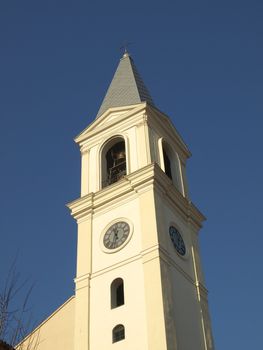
(118,157)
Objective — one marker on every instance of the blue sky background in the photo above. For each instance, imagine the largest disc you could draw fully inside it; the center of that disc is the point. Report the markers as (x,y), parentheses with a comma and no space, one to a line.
(202,62)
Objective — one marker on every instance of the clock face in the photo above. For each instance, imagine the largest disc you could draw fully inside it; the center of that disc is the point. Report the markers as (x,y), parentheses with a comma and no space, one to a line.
(177,240)
(116,235)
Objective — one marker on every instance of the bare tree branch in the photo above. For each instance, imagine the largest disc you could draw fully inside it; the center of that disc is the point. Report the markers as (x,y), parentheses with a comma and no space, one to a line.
(15,318)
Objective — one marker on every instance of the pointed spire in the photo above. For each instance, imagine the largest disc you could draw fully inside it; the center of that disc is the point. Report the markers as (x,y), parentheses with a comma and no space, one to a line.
(126,88)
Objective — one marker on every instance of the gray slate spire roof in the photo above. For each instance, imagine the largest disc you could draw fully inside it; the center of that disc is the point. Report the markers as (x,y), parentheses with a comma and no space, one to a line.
(126,88)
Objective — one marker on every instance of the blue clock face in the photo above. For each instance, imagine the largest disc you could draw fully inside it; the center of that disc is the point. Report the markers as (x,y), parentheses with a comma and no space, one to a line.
(177,240)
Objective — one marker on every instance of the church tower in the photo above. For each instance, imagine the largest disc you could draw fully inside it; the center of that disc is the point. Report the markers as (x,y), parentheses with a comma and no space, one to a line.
(139,282)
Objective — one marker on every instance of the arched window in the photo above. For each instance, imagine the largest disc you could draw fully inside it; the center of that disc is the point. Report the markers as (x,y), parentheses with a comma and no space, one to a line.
(117,293)
(171,165)
(113,162)
(118,333)
(167,164)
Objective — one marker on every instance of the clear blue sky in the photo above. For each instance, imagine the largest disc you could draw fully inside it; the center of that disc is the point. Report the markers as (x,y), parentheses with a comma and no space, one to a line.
(202,62)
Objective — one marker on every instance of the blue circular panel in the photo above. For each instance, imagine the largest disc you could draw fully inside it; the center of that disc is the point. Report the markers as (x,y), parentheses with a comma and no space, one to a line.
(177,240)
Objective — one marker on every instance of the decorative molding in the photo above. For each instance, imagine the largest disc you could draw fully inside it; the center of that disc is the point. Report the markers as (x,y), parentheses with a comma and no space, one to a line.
(84,150)
(116,266)
(162,123)
(82,281)
(150,177)
(101,124)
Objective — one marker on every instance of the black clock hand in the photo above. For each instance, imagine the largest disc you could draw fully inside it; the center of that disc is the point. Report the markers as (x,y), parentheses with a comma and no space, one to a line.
(115,237)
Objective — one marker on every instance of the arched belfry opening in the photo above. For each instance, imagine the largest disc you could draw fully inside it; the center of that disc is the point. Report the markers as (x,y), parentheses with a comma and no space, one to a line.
(171,165)
(113,163)
(167,160)
(167,164)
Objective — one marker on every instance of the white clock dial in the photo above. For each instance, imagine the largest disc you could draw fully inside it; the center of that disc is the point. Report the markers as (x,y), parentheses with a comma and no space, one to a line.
(116,235)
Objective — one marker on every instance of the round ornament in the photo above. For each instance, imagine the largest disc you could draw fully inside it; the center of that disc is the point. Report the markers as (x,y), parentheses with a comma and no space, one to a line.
(177,240)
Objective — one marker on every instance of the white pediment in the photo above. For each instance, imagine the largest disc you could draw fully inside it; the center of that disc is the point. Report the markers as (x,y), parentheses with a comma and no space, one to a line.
(110,117)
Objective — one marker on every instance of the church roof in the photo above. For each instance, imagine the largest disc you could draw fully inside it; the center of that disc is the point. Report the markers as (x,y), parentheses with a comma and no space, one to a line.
(126,88)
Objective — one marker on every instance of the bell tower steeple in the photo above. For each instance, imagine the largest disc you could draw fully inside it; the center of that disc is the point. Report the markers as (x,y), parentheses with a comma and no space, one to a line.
(127,87)
(139,282)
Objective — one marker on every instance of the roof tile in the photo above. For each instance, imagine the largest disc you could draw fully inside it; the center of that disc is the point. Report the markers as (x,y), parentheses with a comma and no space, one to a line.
(126,88)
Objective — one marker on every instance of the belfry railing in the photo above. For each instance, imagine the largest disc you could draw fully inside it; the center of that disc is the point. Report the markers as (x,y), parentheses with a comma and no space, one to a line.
(115,174)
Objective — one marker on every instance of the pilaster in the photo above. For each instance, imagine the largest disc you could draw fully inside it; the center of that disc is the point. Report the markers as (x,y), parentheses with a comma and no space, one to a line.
(82,283)
(84,172)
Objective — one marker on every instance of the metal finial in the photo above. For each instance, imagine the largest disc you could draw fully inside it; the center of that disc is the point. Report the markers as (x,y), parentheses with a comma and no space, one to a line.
(125,48)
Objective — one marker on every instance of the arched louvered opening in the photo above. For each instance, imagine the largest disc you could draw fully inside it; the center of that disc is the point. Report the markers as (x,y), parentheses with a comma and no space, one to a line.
(113,162)
(171,165)
(168,161)
(167,164)
(117,293)
(118,333)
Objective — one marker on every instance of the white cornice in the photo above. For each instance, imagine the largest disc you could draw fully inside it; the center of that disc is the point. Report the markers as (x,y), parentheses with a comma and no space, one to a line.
(154,252)
(150,177)
(116,127)
(129,116)
(160,121)
(101,123)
